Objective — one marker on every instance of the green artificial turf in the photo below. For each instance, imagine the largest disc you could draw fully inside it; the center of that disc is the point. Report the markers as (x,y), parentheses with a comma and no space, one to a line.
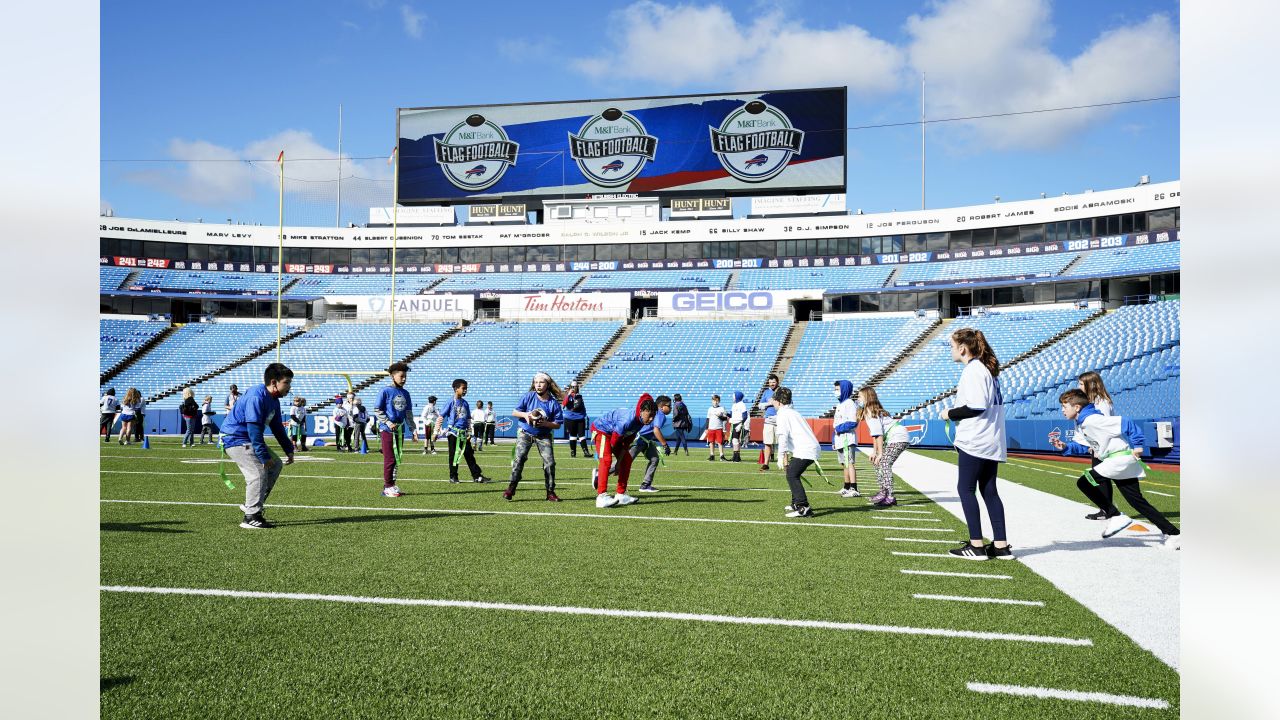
(186,656)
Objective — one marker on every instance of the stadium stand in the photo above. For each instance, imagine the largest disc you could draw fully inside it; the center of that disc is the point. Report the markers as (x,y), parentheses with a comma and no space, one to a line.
(696,358)
(117,339)
(701,279)
(193,351)
(847,349)
(931,372)
(373,284)
(207,281)
(977,270)
(832,279)
(1162,257)
(502,282)
(498,360)
(110,277)
(336,347)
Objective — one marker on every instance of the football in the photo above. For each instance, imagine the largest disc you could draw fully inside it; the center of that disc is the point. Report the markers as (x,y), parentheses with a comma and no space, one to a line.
(537,415)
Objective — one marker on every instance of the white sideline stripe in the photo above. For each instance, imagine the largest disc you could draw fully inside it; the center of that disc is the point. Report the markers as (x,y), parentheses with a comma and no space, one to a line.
(917,512)
(601,516)
(608,612)
(1157,492)
(932,555)
(1077,695)
(403,479)
(898,519)
(956,574)
(1017,464)
(959,598)
(923,540)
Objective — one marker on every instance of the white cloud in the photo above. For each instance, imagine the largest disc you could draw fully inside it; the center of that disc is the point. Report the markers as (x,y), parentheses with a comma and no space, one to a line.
(683,45)
(412,21)
(975,66)
(213,175)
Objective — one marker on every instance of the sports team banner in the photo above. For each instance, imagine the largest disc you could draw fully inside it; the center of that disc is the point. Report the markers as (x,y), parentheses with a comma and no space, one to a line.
(739,143)
(411,307)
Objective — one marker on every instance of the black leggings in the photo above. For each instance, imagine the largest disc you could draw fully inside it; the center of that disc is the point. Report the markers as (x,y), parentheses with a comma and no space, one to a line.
(795,469)
(1100,495)
(979,474)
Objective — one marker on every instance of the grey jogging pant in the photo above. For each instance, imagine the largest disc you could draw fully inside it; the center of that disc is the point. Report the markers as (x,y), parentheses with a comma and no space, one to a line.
(258,480)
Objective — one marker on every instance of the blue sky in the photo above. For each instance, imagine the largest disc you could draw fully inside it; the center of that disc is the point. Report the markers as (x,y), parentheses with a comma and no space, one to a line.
(189,92)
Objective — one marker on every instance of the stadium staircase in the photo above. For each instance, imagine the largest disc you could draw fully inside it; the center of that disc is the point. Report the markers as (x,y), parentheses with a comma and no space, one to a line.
(578,283)
(129,279)
(605,352)
(1039,348)
(142,349)
(914,346)
(786,354)
(358,387)
(431,288)
(893,276)
(732,282)
(229,366)
(1079,258)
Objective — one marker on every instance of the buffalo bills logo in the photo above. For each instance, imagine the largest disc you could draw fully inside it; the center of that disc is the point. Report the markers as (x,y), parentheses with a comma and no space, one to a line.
(503,424)
(916,431)
(476,171)
(613,166)
(758,160)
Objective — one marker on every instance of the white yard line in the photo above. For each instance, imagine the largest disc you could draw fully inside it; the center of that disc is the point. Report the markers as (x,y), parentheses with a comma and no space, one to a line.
(956,574)
(1077,695)
(961,598)
(1051,537)
(1157,492)
(929,555)
(923,540)
(602,515)
(606,612)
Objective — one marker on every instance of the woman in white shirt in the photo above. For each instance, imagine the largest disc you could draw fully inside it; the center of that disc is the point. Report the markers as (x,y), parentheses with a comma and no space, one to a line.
(889,439)
(980,441)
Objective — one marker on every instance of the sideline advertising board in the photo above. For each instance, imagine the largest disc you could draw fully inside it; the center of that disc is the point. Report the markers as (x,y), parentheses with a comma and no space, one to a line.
(564,306)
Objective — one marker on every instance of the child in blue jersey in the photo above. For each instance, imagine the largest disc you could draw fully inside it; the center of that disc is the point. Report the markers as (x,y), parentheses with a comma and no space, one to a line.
(647,441)
(455,421)
(243,441)
(770,422)
(539,414)
(575,420)
(393,410)
(1116,443)
(613,433)
(845,440)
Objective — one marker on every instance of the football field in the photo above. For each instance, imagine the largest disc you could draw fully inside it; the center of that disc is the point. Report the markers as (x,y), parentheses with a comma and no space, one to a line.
(700,600)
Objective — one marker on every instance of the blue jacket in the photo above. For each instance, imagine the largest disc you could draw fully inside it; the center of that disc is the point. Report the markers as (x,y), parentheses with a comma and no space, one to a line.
(394,405)
(571,403)
(246,424)
(1132,433)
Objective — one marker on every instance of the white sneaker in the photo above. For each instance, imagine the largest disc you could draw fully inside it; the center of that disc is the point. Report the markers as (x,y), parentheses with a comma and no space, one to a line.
(1116,524)
(603,500)
(624,499)
(1171,542)
(850,493)
(393,491)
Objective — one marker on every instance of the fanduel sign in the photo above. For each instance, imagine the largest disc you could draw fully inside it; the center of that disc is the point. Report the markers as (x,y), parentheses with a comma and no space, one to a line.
(756,303)
(411,307)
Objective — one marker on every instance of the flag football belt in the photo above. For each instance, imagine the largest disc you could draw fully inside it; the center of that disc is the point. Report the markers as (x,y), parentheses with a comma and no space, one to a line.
(461,438)
(397,441)
(1118,453)
(652,444)
(222,465)
(821,474)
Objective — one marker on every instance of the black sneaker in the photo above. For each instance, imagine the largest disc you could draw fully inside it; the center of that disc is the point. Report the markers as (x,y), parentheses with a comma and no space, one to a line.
(1004,553)
(969,552)
(482,479)
(256,522)
(453,479)
(1100,515)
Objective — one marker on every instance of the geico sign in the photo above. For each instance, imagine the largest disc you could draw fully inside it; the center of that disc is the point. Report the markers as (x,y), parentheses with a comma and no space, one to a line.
(721,301)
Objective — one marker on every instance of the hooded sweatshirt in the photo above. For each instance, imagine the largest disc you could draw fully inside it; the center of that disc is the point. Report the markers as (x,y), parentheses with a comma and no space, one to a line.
(846,418)
(623,422)
(738,413)
(1104,435)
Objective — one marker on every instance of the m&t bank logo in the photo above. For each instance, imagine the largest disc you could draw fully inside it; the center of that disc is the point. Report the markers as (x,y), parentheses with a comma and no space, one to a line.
(475,153)
(755,142)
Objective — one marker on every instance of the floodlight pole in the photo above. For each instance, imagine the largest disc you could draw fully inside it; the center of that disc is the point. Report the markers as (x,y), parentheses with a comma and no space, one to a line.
(922,127)
(280,263)
(337,210)
(395,203)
